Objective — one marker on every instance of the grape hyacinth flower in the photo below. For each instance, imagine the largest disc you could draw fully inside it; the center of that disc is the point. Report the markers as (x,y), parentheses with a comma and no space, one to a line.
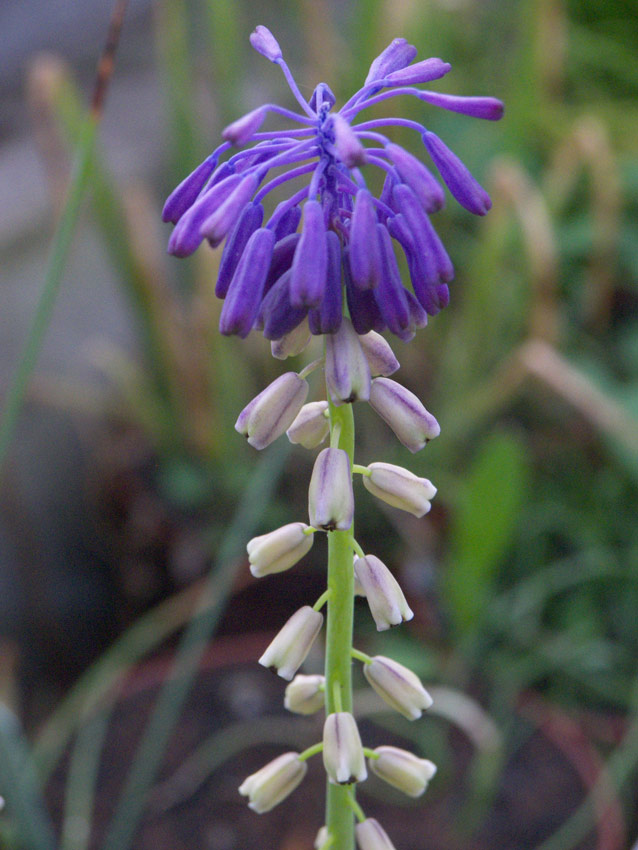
(323,262)
(272,277)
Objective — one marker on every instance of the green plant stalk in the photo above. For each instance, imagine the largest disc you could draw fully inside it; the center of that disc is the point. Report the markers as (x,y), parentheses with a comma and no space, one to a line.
(339,813)
(57,262)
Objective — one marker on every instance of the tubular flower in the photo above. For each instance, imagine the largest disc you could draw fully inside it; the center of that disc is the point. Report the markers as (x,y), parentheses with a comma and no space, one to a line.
(273,278)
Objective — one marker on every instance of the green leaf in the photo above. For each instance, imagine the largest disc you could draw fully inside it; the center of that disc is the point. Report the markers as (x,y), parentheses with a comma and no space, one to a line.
(483,526)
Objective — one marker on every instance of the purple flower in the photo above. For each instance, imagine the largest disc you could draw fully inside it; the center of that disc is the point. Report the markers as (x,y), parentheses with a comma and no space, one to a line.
(272,277)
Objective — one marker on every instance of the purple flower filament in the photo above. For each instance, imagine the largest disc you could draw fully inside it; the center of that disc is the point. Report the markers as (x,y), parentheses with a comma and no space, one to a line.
(273,278)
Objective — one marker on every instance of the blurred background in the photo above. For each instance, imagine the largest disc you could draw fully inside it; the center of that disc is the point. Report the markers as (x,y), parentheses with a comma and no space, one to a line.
(131,704)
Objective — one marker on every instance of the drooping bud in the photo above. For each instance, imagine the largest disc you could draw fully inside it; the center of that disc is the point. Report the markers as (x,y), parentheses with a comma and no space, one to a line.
(242,129)
(398,686)
(330,496)
(488,108)
(457,176)
(270,413)
(390,293)
(402,769)
(397,55)
(280,549)
(218,224)
(185,195)
(310,263)
(387,603)
(424,185)
(305,694)
(371,835)
(379,355)
(400,488)
(292,343)
(311,427)
(187,236)
(321,838)
(364,251)
(247,223)
(347,145)
(342,751)
(246,288)
(264,42)
(327,317)
(274,782)
(421,72)
(347,370)
(288,651)
(404,413)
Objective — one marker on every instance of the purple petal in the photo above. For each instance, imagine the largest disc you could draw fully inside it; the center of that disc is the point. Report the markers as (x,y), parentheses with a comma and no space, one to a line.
(478,107)
(424,185)
(248,222)
(288,223)
(241,130)
(246,288)
(276,315)
(309,266)
(264,42)
(420,72)
(364,250)
(461,183)
(186,237)
(397,55)
(322,96)
(217,225)
(326,319)
(389,294)
(362,306)
(186,193)
(282,257)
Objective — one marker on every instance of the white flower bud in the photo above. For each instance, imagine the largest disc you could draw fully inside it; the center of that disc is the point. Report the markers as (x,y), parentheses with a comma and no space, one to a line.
(342,751)
(305,694)
(371,836)
(321,837)
(278,550)
(287,652)
(274,782)
(402,770)
(330,496)
(399,687)
(292,343)
(379,355)
(387,603)
(400,488)
(311,427)
(268,415)
(347,370)
(404,413)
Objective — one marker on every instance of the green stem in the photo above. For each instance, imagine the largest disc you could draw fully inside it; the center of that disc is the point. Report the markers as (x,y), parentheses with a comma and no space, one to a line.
(57,262)
(339,813)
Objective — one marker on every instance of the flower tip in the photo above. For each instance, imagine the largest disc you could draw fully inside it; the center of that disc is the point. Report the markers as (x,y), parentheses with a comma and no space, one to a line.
(264,42)
(240,131)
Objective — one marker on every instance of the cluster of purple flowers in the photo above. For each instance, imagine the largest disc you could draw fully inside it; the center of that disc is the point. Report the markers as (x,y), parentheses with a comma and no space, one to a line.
(274,278)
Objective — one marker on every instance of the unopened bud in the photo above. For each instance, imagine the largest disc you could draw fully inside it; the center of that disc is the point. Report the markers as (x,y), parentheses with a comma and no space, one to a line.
(264,42)
(305,694)
(311,426)
(402,769)
(398,686)
(292,343)
(330,496)
(288,651)
(387,603)
(280,549)
(342,751)
(270,413)
(400,488)
(347,370)
(274,782)
(379,355)
(372,836)
(404,413)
